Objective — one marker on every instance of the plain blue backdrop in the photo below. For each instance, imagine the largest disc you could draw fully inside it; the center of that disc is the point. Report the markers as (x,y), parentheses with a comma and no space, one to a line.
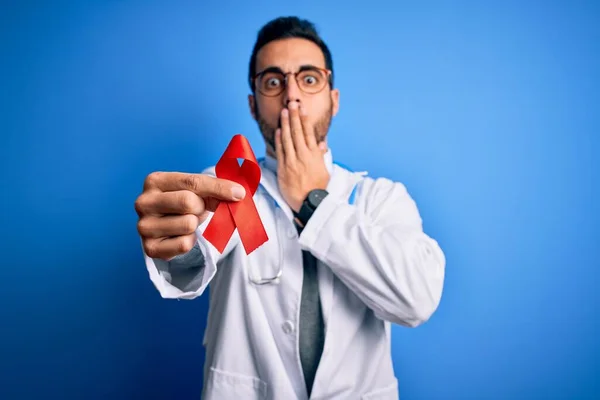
(489,113)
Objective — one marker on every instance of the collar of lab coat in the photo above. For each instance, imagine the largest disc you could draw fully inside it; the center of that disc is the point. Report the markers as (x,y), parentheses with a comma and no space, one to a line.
(341,180)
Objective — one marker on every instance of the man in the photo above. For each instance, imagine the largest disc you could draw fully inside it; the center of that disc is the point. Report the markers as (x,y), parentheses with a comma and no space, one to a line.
(308,313)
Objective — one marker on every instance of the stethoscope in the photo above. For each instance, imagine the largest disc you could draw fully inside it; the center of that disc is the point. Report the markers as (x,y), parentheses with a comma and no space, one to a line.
(258,279)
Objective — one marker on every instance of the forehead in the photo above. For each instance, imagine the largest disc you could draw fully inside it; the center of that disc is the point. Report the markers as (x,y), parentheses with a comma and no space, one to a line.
(289,55)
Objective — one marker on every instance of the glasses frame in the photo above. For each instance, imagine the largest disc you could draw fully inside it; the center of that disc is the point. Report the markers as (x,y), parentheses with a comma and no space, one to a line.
(326,71)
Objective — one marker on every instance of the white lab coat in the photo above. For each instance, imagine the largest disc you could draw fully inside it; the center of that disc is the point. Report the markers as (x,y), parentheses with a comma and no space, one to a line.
(376,266)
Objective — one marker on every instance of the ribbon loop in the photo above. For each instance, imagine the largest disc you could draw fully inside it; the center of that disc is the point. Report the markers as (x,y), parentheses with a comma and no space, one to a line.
(242,214)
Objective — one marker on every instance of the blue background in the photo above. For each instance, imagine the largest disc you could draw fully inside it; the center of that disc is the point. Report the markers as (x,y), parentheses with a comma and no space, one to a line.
(489,113)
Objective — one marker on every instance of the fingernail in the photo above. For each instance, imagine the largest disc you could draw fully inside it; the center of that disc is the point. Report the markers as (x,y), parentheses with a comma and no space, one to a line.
(238,192)
(302,111)
(293,105)
(284,112)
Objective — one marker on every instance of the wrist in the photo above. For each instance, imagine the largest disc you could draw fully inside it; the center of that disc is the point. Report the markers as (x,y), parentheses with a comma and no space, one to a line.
(309,205)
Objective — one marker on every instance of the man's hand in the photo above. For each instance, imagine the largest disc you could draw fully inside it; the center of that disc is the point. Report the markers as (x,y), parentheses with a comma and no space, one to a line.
(173,204)
(300,164)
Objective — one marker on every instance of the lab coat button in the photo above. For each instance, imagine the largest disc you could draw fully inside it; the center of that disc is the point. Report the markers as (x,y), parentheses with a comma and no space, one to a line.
(288,327)
(291,233)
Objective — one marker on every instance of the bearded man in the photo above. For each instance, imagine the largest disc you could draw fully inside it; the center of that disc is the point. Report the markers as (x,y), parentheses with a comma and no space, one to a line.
(308,313)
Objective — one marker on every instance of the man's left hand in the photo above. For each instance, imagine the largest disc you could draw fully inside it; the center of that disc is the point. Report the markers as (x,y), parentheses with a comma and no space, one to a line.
(300,162)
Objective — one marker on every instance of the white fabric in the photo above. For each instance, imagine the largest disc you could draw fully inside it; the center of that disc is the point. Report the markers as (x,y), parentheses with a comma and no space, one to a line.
(376,267)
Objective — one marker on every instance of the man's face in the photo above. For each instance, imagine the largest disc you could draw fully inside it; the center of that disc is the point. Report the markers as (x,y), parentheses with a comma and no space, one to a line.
(290,56)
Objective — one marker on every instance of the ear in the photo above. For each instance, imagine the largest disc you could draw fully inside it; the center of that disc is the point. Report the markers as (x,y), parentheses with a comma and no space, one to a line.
(252,105)
(335,101)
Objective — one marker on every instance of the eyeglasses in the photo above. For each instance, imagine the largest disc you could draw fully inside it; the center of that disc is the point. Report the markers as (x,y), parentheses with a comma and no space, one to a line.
(272,81)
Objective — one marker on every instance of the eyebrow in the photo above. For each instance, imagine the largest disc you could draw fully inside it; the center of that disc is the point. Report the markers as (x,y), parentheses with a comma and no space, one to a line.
(305,67)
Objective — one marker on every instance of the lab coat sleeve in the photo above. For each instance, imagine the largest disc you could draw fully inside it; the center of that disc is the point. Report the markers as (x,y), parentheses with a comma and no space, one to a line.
(188,275)
(378,249)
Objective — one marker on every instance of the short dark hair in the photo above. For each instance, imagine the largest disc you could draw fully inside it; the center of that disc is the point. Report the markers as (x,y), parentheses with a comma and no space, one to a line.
(285,28)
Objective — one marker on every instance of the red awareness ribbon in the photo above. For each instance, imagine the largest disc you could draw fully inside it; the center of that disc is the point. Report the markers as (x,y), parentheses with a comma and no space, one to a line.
(242,214)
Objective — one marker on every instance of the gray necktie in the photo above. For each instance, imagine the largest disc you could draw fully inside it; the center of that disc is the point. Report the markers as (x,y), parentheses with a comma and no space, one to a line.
(312,331)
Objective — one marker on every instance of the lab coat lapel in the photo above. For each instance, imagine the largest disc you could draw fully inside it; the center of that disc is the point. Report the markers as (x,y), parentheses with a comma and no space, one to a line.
(268,183)
(341,184)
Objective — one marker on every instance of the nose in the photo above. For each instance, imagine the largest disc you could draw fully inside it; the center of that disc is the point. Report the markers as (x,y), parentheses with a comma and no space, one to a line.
(292,91)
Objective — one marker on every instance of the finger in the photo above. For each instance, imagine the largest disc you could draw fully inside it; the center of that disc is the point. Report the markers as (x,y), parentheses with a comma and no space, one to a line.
(203,217)
(279,146)
(309,134)
(286,138)
(323,147)
(162,203)
(168,248)
(167,226)
(296,128)
(202,184)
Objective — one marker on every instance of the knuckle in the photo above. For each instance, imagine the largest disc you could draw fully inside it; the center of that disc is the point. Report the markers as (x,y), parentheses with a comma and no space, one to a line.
(192,182)
(142,204)
(191,241)
(152,179)
(185,244)
(141,227)
(203,217)
(186,202)
(151,249)
(201,206)
(139,205)
(219,188)
(190,223)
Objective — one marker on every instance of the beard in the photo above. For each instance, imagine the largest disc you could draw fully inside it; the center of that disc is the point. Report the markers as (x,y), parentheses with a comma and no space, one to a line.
(321,127)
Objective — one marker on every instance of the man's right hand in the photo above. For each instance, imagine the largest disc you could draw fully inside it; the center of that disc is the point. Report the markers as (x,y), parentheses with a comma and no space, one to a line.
(173,204)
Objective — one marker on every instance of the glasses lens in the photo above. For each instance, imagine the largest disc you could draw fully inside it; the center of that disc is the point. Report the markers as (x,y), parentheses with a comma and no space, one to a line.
(311,81)
(271,83)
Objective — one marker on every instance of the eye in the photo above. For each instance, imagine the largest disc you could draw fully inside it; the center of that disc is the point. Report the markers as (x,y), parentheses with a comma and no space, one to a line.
(310,80)
(272,83)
